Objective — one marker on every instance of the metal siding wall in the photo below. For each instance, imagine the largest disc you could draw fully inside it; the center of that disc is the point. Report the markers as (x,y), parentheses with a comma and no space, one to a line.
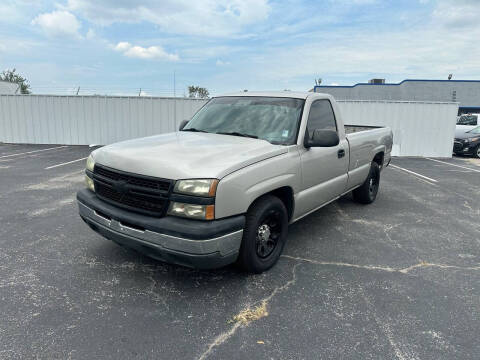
(82,120)
(419,128)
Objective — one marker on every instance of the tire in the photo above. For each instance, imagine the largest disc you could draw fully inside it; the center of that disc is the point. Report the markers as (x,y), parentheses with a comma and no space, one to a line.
(264,235)
(476,152)
(367,192)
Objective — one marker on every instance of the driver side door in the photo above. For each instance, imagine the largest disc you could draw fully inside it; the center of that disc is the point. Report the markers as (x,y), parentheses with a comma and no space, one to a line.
(324,169)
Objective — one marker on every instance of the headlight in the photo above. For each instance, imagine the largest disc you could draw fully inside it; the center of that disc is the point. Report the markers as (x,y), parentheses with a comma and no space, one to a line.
(473,139)
(90,163)
(193,211)
(199,187)
(89,183)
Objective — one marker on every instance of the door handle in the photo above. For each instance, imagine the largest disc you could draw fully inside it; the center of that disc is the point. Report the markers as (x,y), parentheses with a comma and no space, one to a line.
(341,153)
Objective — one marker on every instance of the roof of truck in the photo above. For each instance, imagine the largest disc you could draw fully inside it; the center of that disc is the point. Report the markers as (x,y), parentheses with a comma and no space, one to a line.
(286,94)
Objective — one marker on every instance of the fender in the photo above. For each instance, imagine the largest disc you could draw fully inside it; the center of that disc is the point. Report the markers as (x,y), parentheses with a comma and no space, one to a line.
(256,180)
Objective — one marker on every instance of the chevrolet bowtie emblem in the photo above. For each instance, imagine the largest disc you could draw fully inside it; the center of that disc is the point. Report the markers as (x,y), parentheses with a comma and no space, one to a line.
(121,187)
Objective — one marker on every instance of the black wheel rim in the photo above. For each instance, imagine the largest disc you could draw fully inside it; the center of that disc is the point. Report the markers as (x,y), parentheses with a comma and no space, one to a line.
(268,234)
(373,185)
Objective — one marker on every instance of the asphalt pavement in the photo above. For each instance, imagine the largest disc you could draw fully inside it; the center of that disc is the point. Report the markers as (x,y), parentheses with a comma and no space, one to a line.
(397,279)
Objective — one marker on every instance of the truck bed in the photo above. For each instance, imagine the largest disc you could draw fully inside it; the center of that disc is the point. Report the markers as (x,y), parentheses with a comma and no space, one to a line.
(350,129)
(365,141)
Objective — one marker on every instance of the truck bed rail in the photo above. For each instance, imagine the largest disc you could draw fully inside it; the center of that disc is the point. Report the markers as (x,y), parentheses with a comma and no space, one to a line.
(350,129)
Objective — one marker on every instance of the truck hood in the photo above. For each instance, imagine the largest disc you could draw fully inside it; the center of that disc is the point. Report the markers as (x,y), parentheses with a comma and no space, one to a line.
(183,155)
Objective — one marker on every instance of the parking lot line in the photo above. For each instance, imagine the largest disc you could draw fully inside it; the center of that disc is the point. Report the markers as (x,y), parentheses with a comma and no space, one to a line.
(414,173)
(65,163)
(31,152)
(459,166)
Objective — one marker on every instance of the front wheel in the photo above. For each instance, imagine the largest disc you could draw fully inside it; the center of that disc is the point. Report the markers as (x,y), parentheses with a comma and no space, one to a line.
(264,235)
(476,152)
(367,193)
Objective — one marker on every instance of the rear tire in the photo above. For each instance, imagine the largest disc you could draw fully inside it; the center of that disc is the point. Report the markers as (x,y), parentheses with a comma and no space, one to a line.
(367,193)
(264,235)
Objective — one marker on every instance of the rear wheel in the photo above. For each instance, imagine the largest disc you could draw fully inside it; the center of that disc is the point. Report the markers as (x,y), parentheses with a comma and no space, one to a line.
(367,193)
(264,235)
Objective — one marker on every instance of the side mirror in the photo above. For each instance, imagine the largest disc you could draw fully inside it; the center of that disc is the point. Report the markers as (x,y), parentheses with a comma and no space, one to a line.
(182,124)
(321,138)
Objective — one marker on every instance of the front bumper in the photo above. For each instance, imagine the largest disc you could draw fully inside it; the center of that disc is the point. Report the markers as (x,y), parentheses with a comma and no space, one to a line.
(467,148)
(192,243)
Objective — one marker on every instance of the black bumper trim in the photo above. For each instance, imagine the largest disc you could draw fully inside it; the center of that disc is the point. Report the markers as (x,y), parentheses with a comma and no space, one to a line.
(204,261)
(169,225)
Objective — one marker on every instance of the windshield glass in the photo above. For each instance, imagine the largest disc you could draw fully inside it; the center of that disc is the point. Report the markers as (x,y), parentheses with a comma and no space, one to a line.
(467,120)
(475,130)
(273,119)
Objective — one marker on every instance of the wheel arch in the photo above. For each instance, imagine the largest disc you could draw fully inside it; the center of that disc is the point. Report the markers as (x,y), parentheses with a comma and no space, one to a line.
(379,158)
(285,194)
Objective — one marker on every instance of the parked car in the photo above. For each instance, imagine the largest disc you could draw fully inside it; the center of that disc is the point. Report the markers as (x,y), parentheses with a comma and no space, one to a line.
(225,187)
(467,143)
(467,121)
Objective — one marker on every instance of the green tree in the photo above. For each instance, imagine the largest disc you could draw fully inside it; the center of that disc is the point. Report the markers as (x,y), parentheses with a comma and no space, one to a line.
(13,77)
(197,92)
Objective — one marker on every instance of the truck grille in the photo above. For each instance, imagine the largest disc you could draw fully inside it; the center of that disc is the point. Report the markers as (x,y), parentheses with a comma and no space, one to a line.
(143,194)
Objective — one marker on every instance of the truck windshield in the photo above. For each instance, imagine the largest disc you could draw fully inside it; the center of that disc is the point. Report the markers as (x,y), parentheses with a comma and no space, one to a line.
(273,119)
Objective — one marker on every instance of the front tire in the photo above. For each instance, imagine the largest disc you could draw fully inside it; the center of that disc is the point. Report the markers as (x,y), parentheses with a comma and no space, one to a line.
(476,152)
(264,235)
(367,193)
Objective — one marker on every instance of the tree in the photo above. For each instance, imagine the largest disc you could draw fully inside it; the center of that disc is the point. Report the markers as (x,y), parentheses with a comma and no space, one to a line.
(198,92)
(11,76)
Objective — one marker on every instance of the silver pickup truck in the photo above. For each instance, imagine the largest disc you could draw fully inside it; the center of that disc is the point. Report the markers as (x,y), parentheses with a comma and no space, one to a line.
(225,187)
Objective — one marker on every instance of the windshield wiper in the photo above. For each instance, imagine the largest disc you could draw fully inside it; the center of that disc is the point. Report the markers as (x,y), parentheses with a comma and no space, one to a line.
(194,130)
(234,133)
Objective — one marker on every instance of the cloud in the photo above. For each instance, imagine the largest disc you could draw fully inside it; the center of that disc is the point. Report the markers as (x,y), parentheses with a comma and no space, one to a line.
(151,52)
(18,11)
(431,48)
(90,34)
(355,2)
(215,18)
(457,13)
(123,46)
(222,63)
(58,23)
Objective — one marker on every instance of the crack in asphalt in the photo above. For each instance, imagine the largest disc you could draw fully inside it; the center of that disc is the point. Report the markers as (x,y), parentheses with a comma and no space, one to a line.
(386,228)
(406,270)
(251,314)
(248,315)
(385,327)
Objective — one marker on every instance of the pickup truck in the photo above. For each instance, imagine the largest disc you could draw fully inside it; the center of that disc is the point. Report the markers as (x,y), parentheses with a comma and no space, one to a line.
(225,187)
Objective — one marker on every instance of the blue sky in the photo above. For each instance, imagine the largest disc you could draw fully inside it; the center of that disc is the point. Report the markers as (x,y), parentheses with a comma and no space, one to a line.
(120,46)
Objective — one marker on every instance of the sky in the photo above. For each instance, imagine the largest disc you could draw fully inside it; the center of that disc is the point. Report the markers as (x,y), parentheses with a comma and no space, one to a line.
(118,47)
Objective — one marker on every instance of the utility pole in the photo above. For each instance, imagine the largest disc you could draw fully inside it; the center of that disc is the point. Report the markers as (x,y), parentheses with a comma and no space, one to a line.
(140,91)
(174,85)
